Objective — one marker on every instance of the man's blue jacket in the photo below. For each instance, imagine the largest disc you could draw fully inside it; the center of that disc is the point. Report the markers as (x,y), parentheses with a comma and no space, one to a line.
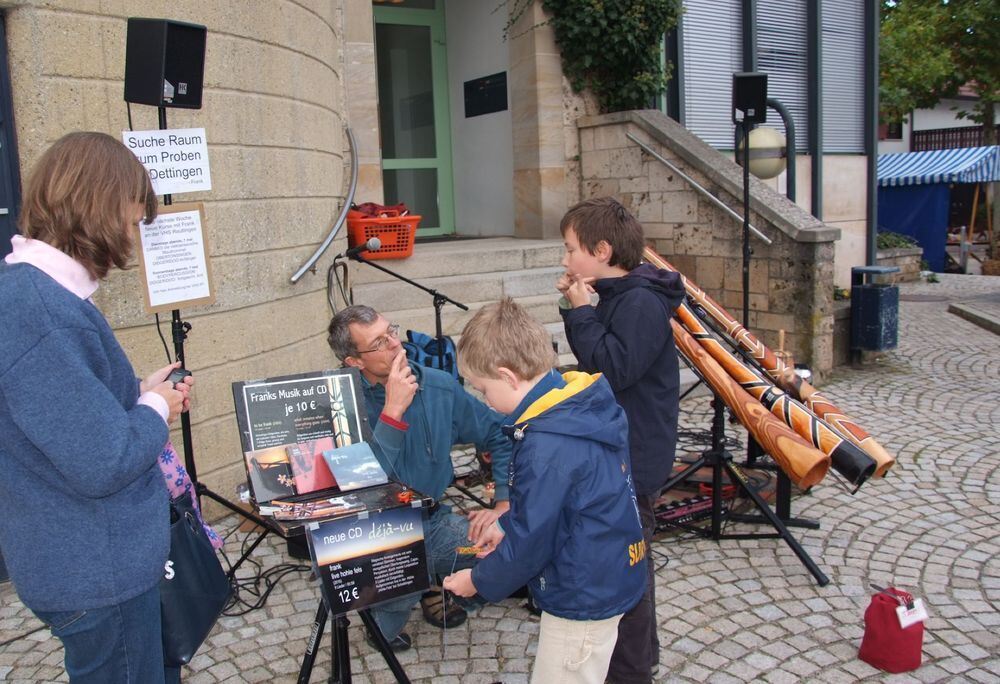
(441,415)
(572,533)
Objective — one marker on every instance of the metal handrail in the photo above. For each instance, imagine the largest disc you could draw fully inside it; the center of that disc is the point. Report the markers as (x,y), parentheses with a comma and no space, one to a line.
(310,263)
(715,200)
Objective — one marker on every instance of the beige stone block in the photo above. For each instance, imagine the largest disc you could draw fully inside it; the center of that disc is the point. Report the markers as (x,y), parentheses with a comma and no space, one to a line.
(663,179)
(658,231)
(608,187)
(596,164)
(694,239)
(646,208)
(678,207)
(610,138)
(758,275)
(711,273)
(664,248)
(633,185)
(587,139)
(762,319)
(625,163)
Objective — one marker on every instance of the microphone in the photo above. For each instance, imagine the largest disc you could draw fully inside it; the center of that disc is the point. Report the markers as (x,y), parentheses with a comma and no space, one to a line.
(370,246)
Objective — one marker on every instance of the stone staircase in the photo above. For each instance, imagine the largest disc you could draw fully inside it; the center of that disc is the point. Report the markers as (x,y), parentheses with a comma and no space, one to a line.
(474,272)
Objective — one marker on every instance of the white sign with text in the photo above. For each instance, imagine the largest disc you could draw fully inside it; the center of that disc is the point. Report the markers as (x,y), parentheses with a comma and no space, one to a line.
(174,259)
(177,159)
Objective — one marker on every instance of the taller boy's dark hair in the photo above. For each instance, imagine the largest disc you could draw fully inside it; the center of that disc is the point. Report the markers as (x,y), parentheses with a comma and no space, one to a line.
(605,218)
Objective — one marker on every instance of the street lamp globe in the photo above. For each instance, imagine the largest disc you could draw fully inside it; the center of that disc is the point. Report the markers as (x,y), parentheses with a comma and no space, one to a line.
(767,152)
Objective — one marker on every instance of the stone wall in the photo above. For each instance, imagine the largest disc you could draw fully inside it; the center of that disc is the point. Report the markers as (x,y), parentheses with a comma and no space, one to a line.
(907,258)
(791,280)
(273,110)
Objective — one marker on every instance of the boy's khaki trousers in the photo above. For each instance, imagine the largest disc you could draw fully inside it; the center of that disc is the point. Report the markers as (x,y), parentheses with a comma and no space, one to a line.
(574,651)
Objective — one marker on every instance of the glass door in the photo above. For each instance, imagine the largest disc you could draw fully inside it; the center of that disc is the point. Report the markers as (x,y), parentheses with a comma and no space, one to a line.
(413,111)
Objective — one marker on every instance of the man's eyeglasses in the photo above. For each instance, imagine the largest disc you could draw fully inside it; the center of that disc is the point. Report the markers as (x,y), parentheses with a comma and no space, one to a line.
(382,341)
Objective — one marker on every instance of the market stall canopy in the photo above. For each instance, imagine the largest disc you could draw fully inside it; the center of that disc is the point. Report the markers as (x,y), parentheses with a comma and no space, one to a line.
(963,165)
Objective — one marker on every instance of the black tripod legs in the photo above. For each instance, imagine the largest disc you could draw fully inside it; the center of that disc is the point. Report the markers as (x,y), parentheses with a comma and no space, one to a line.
(383,646)
(736,474)
(341,667)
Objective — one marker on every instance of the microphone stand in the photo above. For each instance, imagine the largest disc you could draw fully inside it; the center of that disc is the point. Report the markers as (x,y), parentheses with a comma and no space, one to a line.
(439,301)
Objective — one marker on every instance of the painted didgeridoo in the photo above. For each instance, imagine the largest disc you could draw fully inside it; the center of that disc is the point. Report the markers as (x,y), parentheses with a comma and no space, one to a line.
(789,381)
(804,464)
(846,458)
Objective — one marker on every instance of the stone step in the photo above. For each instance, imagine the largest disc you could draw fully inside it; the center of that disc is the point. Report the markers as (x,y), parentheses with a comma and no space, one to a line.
(543,307)
(487,255)
(490,286)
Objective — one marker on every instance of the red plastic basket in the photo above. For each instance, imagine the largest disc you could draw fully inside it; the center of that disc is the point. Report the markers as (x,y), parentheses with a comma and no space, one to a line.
(395,232)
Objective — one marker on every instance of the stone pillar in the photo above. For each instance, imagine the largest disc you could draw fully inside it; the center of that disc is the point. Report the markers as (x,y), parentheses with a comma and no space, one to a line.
(537,119)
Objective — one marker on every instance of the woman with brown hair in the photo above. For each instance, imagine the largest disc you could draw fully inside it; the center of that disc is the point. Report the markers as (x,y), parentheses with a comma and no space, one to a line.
(83,509)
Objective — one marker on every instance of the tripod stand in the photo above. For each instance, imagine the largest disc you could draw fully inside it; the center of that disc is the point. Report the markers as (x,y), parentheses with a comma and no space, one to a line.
(721,461)
(340,672)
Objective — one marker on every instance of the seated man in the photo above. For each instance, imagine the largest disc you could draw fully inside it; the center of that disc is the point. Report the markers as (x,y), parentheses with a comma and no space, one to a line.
(417,415)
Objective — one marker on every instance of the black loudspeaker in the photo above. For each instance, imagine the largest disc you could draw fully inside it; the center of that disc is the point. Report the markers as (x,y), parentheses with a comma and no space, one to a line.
(164,63)
(749,97)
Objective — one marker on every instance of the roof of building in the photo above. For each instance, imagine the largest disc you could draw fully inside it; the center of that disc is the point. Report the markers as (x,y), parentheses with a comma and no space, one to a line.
(962,165)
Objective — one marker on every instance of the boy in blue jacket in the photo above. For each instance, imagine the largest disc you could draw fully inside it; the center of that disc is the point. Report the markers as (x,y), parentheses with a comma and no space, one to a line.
(572,533)
(627,338)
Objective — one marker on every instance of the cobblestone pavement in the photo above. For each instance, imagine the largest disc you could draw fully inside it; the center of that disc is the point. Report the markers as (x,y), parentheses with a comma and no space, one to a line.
(736,610)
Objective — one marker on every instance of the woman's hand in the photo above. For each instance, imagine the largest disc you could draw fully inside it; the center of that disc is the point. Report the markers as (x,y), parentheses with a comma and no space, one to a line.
(160,377)
(177,400)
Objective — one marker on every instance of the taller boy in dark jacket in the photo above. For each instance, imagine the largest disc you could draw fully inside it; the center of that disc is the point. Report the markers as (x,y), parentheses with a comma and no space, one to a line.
(627,337)
(572,532)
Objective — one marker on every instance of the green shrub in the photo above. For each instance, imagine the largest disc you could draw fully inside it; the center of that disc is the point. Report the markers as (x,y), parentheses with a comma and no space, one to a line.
(889,240)
(610,47)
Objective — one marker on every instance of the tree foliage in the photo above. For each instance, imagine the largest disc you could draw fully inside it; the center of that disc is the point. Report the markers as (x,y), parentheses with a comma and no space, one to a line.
(931,48)
(612,47)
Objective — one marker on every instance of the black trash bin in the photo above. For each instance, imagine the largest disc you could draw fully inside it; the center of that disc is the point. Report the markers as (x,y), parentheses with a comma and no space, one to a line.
(874,310)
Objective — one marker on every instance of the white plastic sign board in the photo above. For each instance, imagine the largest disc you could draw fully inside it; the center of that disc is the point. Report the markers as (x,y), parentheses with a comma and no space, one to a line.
(177,159)
(173,259)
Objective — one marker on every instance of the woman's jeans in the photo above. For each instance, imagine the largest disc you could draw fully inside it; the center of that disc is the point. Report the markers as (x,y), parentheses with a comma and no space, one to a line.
(119,644)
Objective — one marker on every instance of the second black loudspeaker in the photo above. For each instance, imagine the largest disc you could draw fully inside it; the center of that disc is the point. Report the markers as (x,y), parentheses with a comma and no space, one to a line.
(749,97)
(164,63)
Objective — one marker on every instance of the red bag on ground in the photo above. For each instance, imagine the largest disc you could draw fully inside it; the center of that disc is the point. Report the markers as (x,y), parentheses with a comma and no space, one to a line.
(885,644)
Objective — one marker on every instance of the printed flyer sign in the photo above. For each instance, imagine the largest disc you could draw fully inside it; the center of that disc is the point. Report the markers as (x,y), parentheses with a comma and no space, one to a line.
(177,159)
(368,560)
(173,259)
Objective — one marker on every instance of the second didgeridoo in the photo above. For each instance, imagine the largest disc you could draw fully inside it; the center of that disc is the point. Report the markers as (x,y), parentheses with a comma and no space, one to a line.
(790,382)
(804,464)
(846,458)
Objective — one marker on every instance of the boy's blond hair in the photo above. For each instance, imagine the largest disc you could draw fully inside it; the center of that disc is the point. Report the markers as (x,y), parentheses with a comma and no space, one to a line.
(504,335)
